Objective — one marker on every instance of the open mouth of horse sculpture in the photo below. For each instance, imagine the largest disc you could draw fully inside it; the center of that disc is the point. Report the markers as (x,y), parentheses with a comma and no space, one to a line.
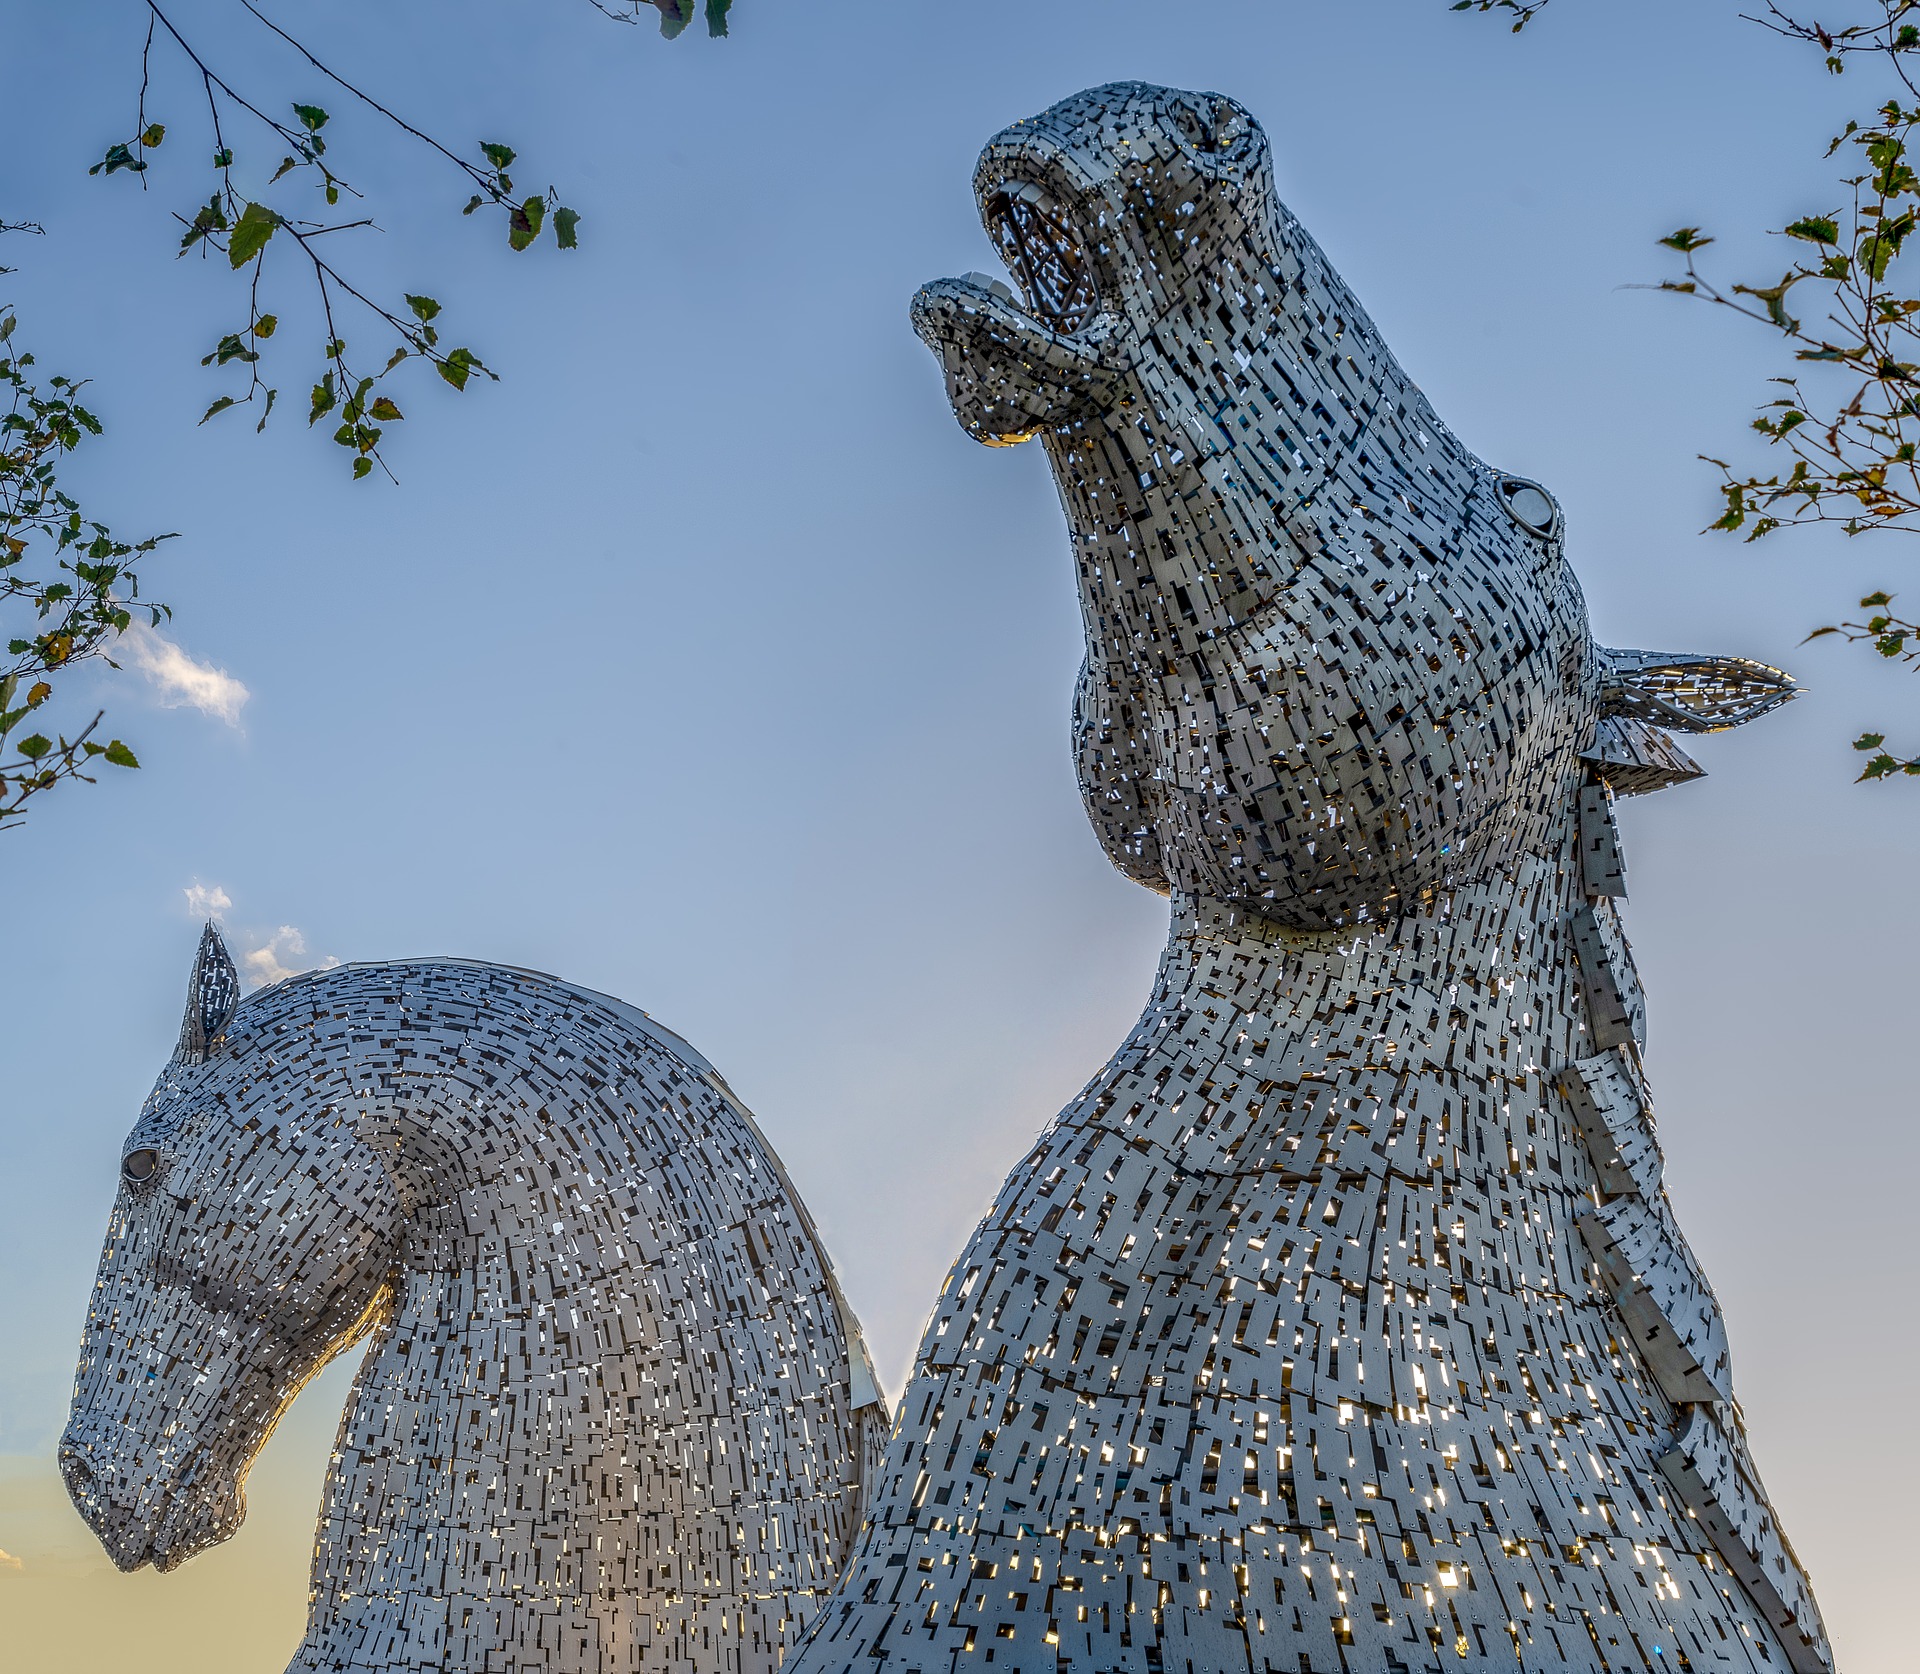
(1041,248)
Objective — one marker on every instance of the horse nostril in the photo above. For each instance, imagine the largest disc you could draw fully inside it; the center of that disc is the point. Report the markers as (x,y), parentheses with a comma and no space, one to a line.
(78,1476)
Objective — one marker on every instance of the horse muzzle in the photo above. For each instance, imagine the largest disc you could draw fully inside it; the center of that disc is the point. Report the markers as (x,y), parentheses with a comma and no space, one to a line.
(146,1514)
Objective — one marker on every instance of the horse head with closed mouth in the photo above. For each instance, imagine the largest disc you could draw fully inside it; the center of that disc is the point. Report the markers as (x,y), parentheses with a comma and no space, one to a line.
(1335,662)
(247,1248)
(614,1411)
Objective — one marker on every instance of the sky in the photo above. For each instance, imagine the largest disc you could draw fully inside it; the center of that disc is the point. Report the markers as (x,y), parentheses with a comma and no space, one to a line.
(703,661)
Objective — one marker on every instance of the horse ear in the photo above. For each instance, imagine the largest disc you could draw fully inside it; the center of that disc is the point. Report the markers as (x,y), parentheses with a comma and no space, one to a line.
(1688,693)
(213,995)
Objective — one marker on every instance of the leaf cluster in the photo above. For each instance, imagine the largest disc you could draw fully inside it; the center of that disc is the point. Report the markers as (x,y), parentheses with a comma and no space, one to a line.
(674,15)
(254,215)
(68,587)
(1847,308)
(1522,12)
(1849,418)
(273,206)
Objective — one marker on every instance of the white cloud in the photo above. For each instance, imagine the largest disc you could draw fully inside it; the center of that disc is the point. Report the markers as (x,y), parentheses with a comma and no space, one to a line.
(9,1561)
(206,900)
(180,682)
(281,955)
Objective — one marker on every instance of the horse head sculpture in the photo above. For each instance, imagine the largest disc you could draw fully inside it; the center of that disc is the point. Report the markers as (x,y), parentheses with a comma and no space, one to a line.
(1335,663)
(243,1254)
(1341,1321)
(615,1411)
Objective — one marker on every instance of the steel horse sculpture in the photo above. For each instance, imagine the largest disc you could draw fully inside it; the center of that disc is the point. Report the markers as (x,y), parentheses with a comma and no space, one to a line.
(614,1414)
(1340,1325)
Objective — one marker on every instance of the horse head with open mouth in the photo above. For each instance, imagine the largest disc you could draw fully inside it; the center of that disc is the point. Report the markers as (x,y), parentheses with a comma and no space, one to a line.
(1334,661)
(615,1412)
(1342,1319)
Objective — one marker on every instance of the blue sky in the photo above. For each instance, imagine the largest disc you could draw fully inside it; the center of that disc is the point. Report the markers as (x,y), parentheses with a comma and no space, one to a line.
(703,660)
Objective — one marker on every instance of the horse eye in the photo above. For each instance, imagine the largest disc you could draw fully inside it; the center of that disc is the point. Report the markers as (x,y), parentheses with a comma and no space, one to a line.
(138,1166)
(1530,505)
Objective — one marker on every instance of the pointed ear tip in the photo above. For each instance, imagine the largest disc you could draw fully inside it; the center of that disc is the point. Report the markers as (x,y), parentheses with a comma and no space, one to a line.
(213,995)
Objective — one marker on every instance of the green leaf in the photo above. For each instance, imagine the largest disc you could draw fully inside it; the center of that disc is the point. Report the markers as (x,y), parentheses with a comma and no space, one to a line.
(1870,741)
(385,411)
(250,234)
(219,406)
(523,225)
(120,755)
(324,399)
(118,157)
(565,225)
(1878,249)
(1686,240)
(154,133)
(34,746)
(675,15)
(1815,229)
(457,367)
(1873,601)
(266,325)
(717,16)
(229,348)
(1775,298)
(312,117)
(362,467)
(266,412)
(501,156)
(424,307)
(208,218)
(223,158)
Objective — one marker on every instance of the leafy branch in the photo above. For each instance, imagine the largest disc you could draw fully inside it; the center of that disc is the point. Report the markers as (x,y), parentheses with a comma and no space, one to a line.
(674,15)
(20,227)
(240,224)
(1887,36)
(1522,11)
(1897,639)
(252,219)
(1847,417)
(1855,448)
(68,588)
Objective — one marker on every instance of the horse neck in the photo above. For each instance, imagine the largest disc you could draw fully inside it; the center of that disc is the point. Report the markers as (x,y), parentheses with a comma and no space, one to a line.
(1483,979)
(497,1233)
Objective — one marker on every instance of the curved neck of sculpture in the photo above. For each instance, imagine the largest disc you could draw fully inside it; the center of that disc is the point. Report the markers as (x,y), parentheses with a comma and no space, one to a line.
(574,1430)
(1492,963)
